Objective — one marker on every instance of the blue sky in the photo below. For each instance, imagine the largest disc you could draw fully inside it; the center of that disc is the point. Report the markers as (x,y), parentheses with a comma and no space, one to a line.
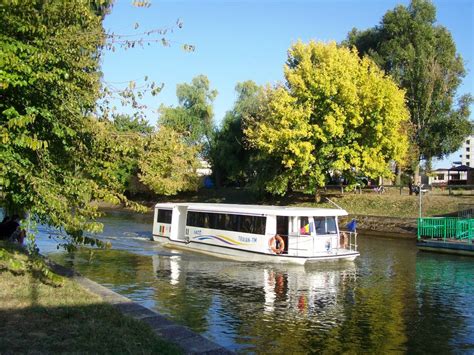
(248,40)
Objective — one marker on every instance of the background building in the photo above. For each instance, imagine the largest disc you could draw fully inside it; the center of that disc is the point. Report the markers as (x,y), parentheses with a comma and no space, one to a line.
(467,156)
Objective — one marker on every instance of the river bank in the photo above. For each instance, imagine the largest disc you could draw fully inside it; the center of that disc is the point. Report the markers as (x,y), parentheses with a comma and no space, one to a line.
(38,316)
(389,214)
(392,227)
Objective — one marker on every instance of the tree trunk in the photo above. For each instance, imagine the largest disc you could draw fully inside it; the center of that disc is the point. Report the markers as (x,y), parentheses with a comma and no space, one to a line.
(417,174)
(317,195)
(217,179)
(398,178)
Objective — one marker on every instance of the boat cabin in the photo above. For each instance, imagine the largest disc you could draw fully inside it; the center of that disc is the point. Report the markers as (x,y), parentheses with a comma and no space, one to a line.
(273,230)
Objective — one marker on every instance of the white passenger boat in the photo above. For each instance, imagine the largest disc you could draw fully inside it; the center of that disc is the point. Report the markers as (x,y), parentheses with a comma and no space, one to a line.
(255,233)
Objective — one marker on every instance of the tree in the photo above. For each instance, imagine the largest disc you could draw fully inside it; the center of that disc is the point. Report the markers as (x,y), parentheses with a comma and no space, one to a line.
(338,114)
(49,83)
(421,56)
(126,123)
(194,116)
(169,164)
(116,152)
(56,156)
(229,155)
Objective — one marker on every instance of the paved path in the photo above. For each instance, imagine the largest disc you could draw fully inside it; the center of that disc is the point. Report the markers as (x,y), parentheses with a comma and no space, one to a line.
(186,339)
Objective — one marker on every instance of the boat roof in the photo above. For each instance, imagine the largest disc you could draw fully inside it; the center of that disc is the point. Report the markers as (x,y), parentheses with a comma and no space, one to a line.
(257,209)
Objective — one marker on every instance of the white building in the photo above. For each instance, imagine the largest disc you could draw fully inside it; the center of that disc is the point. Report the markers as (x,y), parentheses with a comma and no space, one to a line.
(204,168)
(467,156)
(447,176)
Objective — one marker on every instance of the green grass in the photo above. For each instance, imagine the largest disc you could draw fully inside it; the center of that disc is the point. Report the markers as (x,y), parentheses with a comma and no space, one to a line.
(39,318)
(392,205)
(389,204)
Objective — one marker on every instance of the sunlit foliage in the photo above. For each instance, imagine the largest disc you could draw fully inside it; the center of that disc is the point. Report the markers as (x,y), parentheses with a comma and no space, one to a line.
(336,115)
(168,164)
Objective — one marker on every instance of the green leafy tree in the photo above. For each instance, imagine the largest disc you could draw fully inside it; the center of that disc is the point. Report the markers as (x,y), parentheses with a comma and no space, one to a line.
(117,152)
(169,164)
(338,114)
(127,123)
(193,118)
(421,56)
(56,157)
(229,154)
(49,84)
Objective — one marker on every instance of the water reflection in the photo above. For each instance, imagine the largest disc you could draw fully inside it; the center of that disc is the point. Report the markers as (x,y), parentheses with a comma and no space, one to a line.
(391,299)
(445,298)
(251,301)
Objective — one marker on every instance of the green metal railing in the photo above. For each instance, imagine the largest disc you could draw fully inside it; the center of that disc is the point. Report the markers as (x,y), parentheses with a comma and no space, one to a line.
(446,228)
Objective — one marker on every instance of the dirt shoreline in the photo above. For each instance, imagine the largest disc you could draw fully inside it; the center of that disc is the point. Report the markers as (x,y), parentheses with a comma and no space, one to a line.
(384,226)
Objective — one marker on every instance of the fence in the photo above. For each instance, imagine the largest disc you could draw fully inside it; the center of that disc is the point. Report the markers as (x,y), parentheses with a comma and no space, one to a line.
(446,228)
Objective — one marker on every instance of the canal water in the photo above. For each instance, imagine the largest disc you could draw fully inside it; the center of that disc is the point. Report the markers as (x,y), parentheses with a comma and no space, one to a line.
(391,299)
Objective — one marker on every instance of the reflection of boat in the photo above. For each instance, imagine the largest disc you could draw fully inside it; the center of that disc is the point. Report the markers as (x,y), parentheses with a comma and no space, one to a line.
(297,288)
(255,233)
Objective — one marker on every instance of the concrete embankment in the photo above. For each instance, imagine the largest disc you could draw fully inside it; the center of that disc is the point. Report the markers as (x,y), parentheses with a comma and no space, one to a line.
(189,341)
(393,227)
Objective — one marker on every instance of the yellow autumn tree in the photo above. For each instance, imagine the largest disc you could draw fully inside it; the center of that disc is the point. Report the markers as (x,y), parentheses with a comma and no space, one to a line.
(337,115)
(168,164)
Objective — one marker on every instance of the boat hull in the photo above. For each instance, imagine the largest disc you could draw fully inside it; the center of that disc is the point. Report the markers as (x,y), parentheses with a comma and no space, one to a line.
(447,247)
(253,256)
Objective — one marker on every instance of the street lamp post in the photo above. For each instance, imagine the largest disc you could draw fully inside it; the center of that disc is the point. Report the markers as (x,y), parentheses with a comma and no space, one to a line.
(420,193)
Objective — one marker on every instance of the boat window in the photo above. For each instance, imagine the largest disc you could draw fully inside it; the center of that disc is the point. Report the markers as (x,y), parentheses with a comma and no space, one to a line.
(164,216)
(224,221)
(320,224)
(233,223)
(259,225)
(325,225)
(304,226)
(246,224)
(331,225)
(221,221)
(191,219)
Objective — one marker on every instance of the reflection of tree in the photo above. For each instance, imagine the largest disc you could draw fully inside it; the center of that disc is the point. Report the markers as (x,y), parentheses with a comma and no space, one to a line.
(445,290)
(184,300)
(111,267)
(341,315)
(374,311)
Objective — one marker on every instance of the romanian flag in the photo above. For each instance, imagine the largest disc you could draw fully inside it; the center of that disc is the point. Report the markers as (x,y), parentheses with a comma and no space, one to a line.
(307,229)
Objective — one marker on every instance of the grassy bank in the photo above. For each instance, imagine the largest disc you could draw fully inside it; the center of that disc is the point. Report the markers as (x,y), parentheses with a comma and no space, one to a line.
(400,206)
(390,204)
(40,318)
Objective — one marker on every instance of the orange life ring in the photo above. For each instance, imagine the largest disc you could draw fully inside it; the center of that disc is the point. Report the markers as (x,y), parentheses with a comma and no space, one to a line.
(272,244)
